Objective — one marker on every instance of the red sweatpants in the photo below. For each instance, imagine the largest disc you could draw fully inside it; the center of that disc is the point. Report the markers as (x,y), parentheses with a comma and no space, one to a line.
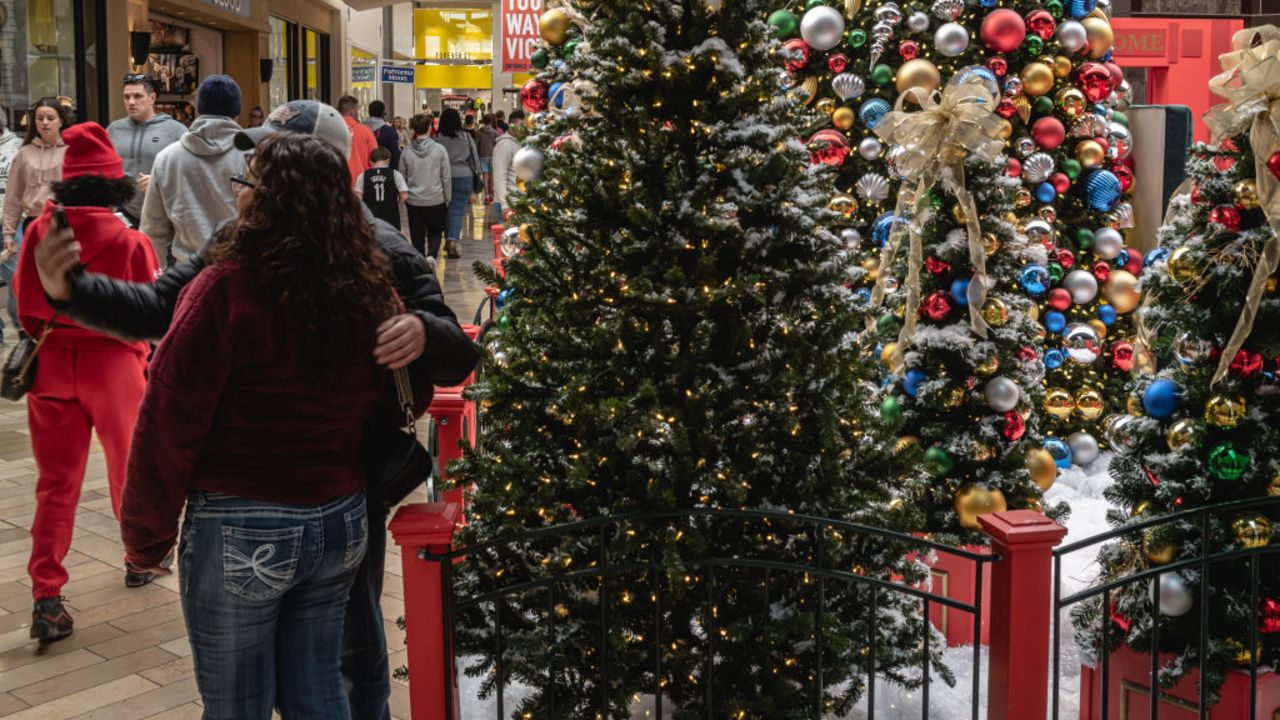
(76,391)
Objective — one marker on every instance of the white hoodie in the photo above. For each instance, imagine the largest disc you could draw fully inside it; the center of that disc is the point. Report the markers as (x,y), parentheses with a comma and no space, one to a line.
(190,193)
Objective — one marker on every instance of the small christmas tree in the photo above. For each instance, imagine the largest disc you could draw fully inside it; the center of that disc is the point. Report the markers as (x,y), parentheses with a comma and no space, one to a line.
(678,336)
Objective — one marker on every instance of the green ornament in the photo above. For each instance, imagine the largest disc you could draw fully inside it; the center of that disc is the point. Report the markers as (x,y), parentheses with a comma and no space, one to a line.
(1054,7)
(886,322)
(1071,168)
(882,74)
(1084,238)
(938,461)
(1056,272)
(569,47)
(1034,45)
(857,38)
(936,201)
(784,24)
(891,410)
(504,321)
(1043,105)
(813,4)
(1227,463)
(1119,117)
(540,59)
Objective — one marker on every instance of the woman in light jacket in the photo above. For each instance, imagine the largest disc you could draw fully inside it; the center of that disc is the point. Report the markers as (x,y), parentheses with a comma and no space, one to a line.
(464,166)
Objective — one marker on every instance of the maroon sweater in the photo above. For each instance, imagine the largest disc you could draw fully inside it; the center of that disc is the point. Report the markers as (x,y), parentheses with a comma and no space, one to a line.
(228,410)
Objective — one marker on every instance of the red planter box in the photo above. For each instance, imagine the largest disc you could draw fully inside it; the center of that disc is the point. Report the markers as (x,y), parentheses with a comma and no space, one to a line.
(1130,687)
(957,578)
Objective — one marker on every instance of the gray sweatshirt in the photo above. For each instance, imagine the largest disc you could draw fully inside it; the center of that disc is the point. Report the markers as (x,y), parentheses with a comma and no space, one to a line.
(425,166)
(462,154)
(138,144)
(190,191)
(504,171)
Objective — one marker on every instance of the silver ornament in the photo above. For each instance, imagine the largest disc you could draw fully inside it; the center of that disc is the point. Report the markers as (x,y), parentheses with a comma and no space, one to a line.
(1040,232)
(848,86)
(528,164)
(1121,216)
(1002,394)
(882,31)
(1037,168)
(1107,243)
(510,243)
(1081,343)
(1025,146)
(1072,36)
(947,9)
(891,160)
(1188,348)
(889,12)
(870,148)
(918,22)
(822,28)
(1119,141)
(1084,447)
(1012,86)
(873,187)
(951,40)
(1121,432)
(1176,597)
(852,238)
(1082,285)
(1089,126)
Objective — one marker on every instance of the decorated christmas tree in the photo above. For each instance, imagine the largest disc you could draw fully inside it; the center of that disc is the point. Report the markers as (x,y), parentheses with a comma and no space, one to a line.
(678,335)
(1206,427)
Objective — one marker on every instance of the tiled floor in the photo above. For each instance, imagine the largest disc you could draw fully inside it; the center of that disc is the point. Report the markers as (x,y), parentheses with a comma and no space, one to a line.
(128,658)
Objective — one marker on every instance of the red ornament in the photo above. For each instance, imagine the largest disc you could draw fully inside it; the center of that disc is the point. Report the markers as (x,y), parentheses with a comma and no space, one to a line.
(1121,355)
(1102,271)
(936,266)
(1026,353)
(1014,168)
(1117,75)
(1246,364)
(1060,182)
(1270,616)
(533,96)
(837,63)
(998,66)
(1048,132)
(1228,216)
(1134,263)
(908,49)
(1066,258)
(1003,30)
(1013,427)
(1041,23)
(1006,109)
(1224,162)
(794,47)
(828,147)
(1197,198)
(1059,298)
(1122,622)
(1124,175)
(1273,164)
(1094,80)
(936,306)
(1154,480)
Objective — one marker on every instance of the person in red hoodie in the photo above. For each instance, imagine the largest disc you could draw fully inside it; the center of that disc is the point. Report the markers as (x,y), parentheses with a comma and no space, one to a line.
(363,141)
(84,381)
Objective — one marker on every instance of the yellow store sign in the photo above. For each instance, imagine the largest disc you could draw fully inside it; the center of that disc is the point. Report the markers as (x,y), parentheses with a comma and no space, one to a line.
(456,47)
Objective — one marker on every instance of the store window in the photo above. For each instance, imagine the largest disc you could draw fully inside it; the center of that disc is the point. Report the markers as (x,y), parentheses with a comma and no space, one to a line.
(455,49)
(62,44)
(278,47)
(364,76)
(316,71)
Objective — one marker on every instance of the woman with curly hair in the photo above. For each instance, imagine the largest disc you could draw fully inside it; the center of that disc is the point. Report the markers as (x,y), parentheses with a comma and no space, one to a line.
(253,416)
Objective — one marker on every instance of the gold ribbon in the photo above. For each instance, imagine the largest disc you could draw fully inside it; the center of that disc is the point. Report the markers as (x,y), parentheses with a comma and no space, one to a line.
(949,128)
(1250,83)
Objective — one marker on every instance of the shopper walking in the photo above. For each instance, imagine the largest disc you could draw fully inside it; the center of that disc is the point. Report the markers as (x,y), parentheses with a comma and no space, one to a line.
(256,117)
(425,166)
(140,136)
(464,168)
(486,138)
(10,143)
(35,167)
(402,132)
(362,140)
(191,191)
(385,135)
(382,188)
(260,392)
(504,153)
(85,381)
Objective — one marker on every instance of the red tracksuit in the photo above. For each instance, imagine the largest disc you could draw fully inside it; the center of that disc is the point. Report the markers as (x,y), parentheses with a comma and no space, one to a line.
(84,381)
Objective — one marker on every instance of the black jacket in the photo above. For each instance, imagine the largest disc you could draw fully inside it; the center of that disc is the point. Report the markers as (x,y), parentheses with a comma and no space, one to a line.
(142,311)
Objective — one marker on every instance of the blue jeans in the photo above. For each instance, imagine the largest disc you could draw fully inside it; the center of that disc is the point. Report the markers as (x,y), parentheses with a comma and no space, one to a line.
(459,206)
(264,590)
(364,639)
(7,270)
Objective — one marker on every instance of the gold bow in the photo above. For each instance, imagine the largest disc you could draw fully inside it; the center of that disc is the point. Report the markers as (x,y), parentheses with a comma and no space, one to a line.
(1250,83)
(949,128)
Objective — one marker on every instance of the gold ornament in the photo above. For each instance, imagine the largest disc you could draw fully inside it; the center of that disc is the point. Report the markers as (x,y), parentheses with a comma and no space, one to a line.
(1273,487)
(1042,468)
(918,73)
(1071,100)
(1158,552)
(905,443)
(1098,327)
(1090,153)
(990,243)
(1246,193)
(843,118)
(958,214)
(851,8)
(1144,362)
(826,106)
(1037,79)
(1059,403)
(872,266)
(989,367)
(977,499)
(1224,412)
(524,233)
(554,26)
(954,397)
(1089,404)
(1253,530)
(1062,67)
(983,453)
(1034,312)
(843,203)
(806,91)
(1240,654)
(1101,38)
(1184,266)
(886,352)
(1022,198)
(1122,291)
(1182,433)
(1006,129)
(1143,508)
(995,312)
(897,504)
(1133,406)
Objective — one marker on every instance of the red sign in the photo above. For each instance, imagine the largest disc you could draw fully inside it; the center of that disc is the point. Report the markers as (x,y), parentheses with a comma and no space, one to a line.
(520,36)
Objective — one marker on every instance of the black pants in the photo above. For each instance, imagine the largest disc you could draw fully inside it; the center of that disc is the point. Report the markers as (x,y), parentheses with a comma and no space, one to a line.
(426,227)
(364,642)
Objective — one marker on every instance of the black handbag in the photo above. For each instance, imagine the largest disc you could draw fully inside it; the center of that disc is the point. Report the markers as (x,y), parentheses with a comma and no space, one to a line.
(395,462)
(19,372)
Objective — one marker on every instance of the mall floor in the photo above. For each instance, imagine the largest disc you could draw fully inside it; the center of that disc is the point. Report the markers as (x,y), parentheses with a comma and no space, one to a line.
(129,658)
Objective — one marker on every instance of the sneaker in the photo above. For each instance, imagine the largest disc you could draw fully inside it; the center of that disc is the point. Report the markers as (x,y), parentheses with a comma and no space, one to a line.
(50,620)
(137,578)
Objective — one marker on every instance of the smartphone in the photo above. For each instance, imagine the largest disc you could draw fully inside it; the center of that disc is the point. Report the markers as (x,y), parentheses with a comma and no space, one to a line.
(60,216)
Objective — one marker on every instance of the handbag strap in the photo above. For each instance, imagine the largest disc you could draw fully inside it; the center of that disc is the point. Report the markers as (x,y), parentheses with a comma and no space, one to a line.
(404,393)
(44,335)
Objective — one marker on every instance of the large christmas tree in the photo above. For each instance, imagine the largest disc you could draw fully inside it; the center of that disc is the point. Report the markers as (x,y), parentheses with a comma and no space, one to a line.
(678,335)
(1206,428)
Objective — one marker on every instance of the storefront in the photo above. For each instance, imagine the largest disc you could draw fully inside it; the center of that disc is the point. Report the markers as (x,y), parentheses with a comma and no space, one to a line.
(454,49)
(60,48)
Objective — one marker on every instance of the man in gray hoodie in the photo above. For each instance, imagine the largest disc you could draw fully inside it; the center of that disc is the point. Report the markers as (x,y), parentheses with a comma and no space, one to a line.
(425,167)
(191,191)
(141,136)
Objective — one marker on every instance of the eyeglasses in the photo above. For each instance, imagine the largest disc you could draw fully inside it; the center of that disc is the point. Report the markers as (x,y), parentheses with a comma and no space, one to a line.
(239,182)
(132,78)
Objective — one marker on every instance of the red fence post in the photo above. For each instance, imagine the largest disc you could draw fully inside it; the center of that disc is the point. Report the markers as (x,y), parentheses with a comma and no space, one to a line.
(427,528)
(1021,587)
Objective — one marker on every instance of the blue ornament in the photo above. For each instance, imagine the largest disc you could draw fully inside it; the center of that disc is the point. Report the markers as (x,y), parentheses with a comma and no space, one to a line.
(1045,193)
(1054,321)
(960,291)
(1060,451)
(1122,259)
(1102,190)
(556,94)
(862,296)
(1161,399)
(911,381)
(503,298)
(987,77)
(1081,8)
(988,3)
(1034,279)
(872,110)
(1107,314)
(1155,256)
(881,227)
(557,64)
(1053,359)
(1108,56)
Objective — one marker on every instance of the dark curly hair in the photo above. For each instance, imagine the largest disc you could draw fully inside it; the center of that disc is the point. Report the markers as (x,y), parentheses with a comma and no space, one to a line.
(305,238)
(93,191)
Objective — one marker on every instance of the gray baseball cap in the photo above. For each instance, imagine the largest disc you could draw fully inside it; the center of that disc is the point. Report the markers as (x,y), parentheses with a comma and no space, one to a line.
(309,117)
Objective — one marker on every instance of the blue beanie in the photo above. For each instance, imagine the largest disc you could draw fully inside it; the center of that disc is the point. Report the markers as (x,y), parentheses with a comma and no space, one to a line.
(218,95)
